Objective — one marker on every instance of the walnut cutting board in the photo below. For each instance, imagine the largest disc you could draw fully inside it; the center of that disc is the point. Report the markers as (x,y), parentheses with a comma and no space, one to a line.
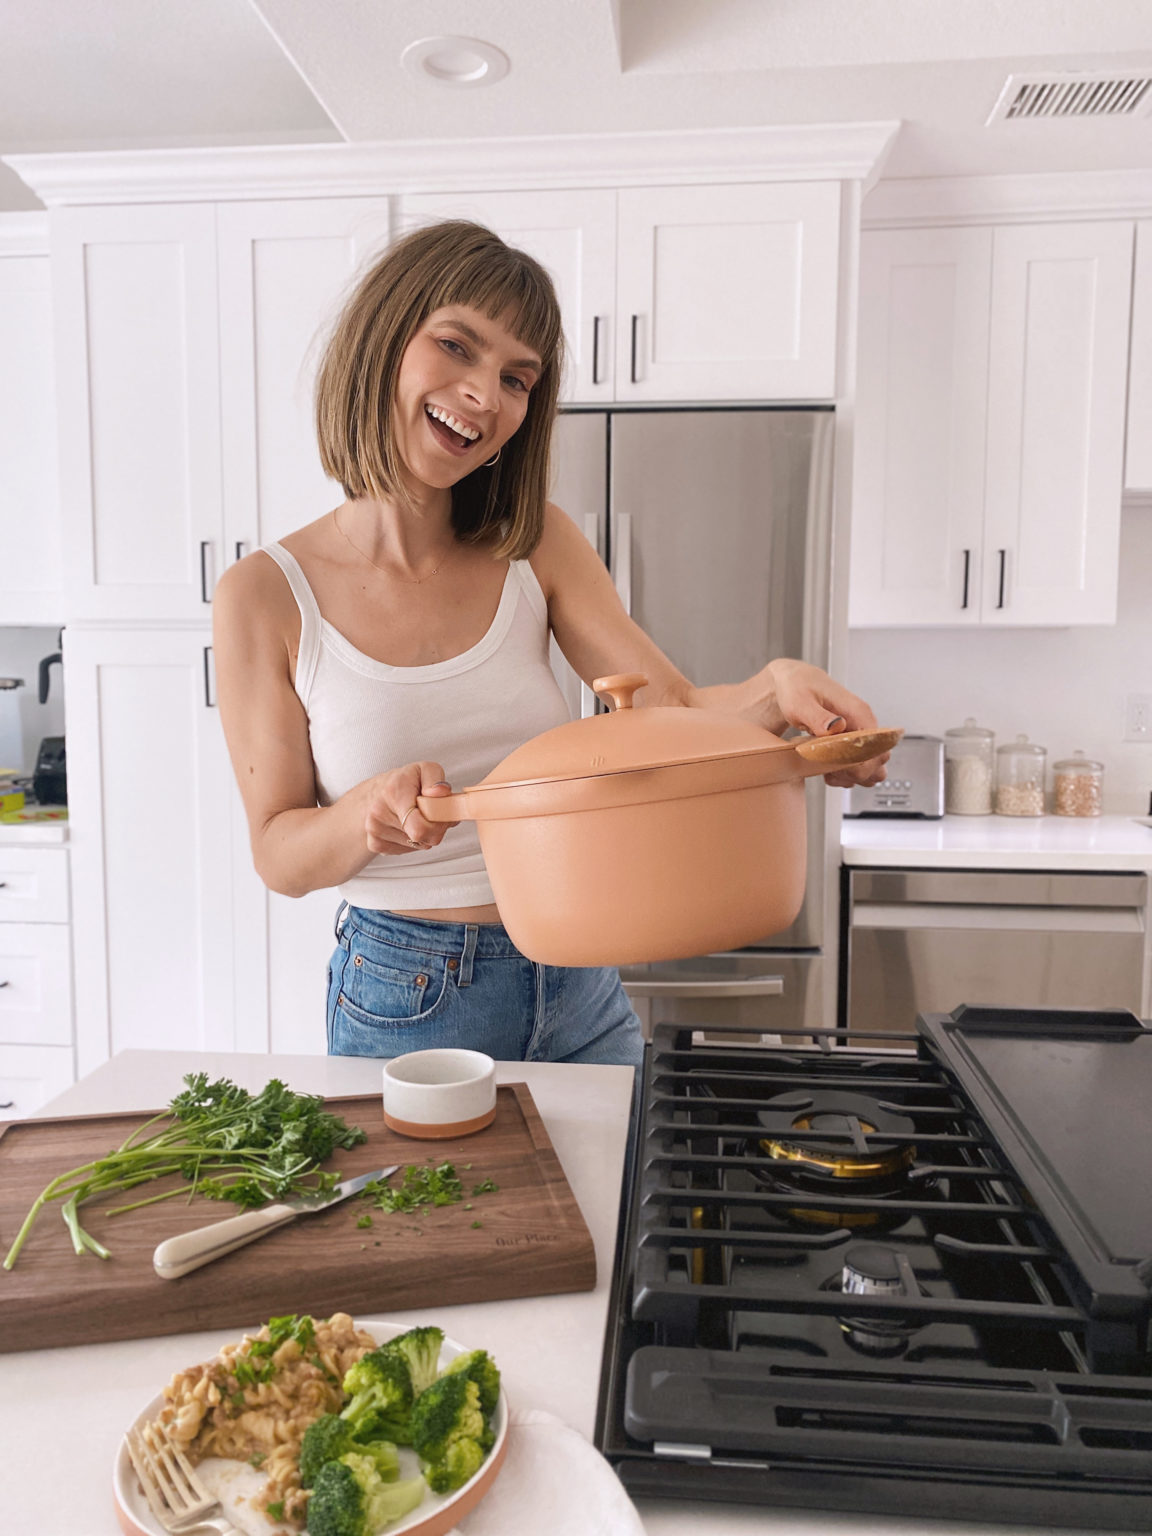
(532,1240)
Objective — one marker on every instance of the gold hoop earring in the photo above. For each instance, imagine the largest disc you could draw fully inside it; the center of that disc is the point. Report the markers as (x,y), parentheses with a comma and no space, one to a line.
(488,463)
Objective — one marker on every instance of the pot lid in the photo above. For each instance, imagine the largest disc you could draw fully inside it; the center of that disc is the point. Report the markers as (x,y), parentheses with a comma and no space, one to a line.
(628,739)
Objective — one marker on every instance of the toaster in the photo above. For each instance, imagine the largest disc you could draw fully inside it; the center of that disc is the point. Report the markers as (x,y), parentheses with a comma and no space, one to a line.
(914,785)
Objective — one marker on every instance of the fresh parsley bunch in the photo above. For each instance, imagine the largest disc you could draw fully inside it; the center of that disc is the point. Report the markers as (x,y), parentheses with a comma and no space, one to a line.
(222,1142)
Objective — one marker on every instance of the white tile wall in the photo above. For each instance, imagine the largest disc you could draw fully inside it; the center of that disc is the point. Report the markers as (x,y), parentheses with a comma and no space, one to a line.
(1064,688)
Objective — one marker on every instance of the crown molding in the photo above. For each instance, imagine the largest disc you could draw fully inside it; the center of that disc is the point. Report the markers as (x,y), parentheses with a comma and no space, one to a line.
(1008,199)
(837,152)
(24,234)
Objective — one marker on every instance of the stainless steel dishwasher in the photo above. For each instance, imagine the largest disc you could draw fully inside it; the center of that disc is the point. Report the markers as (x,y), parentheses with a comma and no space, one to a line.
(926,940)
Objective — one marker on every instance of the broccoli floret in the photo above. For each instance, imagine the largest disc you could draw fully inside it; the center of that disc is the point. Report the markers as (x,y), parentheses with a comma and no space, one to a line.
(462,1459)
(449,1432)
(329,1438)
(479,1366)
(381,1392)
(420,1348)
(350,1498)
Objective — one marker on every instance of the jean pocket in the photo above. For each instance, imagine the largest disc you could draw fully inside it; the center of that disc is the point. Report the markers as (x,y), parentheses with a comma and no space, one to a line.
(382,985)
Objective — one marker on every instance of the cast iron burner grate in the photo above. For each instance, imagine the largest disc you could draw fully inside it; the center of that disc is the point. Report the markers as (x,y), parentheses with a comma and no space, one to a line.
(834,1288)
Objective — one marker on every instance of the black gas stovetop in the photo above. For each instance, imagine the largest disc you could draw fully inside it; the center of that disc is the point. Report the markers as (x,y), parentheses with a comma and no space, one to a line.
(878,1281)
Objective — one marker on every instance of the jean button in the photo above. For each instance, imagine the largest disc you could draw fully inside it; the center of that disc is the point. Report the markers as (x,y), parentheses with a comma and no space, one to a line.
(453,965)
(358,960)
(421,981)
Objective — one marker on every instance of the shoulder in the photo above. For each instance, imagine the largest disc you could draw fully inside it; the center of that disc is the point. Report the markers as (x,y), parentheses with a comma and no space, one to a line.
(253,604)
(562,550)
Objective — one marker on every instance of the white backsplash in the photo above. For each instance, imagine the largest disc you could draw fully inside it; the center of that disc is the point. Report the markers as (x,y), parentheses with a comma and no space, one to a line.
(24,722)
(1063,688)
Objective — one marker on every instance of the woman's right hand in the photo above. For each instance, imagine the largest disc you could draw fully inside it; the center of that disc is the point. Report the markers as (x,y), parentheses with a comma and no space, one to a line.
(392,821)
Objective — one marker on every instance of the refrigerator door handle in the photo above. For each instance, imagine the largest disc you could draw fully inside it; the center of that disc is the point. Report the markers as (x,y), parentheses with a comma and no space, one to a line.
(622,559)
(751,986)
(588,700)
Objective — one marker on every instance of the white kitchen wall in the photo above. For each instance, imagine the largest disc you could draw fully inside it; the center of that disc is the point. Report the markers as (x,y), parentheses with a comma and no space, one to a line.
(1064,688)
(24,722)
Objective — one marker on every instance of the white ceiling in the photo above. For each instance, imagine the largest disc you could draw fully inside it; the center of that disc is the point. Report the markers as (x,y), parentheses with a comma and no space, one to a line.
(111,74)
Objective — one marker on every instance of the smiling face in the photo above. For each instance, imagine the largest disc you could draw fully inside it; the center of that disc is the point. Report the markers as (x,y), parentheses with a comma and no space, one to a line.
(461,392)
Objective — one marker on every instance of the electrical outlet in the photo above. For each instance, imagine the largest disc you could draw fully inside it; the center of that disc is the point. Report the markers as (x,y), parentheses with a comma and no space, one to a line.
(1138,717)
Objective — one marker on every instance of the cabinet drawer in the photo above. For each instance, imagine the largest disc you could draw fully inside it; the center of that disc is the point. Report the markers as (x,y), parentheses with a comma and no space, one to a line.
(30,1075)
(35,984)
(33,885)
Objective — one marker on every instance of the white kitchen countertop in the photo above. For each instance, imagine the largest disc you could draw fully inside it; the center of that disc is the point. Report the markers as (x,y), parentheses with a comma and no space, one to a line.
(24,832)
(999,842)
(63,1411)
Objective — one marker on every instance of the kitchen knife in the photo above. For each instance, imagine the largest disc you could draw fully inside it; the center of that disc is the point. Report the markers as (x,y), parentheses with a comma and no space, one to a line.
(176,1256)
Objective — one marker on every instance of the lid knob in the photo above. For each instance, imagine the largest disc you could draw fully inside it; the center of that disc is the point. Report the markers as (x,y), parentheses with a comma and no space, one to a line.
(620,687)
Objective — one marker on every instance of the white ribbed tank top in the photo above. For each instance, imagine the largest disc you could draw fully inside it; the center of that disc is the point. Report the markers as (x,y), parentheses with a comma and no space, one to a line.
(366,717)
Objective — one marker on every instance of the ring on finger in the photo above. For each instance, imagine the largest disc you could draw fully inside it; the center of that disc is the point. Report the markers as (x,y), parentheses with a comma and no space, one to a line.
(406,815)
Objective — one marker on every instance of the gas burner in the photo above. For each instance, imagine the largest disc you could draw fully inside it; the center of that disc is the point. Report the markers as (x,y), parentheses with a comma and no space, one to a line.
(851,1158)
(877,1269)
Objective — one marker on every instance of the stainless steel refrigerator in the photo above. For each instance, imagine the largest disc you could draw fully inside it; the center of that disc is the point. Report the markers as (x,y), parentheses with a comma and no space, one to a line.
(716,526)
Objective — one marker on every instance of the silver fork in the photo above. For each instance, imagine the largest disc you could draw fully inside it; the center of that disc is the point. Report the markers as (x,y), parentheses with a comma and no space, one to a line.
(175,1495)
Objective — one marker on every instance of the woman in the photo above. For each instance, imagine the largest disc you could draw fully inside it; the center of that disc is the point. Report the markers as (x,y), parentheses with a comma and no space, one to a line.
(399,645)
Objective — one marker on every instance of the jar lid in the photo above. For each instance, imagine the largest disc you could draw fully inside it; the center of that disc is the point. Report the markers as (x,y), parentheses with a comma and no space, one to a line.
(1021,746)
(1078,763)
(970,728)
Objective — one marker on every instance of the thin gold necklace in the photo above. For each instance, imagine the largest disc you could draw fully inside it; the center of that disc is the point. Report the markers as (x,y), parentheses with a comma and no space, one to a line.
(417,581)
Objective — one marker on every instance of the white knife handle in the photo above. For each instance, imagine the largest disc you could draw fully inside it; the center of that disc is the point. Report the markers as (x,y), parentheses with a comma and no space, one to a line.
(177,1255)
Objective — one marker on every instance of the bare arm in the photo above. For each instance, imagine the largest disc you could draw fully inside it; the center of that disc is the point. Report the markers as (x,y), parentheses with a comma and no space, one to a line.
(297,845)
(598,637)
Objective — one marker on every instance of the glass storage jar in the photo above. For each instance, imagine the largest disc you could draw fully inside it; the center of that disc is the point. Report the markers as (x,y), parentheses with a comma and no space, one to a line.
(1020,778)
(968,762)
(1079,786)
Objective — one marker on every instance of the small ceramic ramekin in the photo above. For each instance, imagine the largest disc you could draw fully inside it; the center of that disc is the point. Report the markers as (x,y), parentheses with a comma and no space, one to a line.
(439,1093)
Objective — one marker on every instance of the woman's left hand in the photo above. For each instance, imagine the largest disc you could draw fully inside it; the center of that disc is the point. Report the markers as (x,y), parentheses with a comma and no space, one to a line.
(807,698)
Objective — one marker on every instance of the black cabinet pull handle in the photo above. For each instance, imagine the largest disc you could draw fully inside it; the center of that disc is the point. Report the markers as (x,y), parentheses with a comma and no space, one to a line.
(209,697)
(635,333)
(1003,553)
(967,570)
(205,545)
(595,349)
(5,983)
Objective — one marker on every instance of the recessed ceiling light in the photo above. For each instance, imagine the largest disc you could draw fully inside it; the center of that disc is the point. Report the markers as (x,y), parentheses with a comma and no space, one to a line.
(455,60)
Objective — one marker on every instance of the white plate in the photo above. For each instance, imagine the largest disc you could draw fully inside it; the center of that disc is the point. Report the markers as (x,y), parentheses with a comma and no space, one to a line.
(234,1481)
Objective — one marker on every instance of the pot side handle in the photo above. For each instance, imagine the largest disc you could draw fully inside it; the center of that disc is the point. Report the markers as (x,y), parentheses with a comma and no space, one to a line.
(443,807)
(827,753)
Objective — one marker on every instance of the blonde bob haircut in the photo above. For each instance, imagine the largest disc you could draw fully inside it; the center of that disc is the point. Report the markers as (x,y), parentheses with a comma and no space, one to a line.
(453,262)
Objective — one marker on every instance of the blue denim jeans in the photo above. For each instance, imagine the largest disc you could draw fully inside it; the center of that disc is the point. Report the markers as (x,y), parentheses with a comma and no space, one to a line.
(399,984)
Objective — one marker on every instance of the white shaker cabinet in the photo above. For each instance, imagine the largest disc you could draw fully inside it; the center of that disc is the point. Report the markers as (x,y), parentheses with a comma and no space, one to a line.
(727,292)
(151,844)
(137,355)
(989,437)
(284,270)
(187,342)
(1138,460)
(30,560)
(573,237)
(36,1050)
(680,293)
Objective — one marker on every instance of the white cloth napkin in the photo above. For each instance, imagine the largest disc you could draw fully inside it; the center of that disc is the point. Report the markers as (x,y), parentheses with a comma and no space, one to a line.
(552,1483)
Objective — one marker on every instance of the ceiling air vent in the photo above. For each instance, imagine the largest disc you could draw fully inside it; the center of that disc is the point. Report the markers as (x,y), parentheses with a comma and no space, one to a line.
(1113,93)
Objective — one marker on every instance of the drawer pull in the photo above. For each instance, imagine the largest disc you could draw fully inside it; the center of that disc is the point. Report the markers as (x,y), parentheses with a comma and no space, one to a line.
(5,983)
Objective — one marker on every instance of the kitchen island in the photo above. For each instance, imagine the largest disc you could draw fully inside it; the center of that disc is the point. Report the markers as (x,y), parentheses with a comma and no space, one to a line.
(63,1411)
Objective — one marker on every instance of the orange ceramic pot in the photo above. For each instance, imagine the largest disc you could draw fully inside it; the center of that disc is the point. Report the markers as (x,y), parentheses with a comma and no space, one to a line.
(648,834)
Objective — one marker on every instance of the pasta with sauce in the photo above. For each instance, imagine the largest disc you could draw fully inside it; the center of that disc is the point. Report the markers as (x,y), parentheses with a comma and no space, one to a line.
(254,1401)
